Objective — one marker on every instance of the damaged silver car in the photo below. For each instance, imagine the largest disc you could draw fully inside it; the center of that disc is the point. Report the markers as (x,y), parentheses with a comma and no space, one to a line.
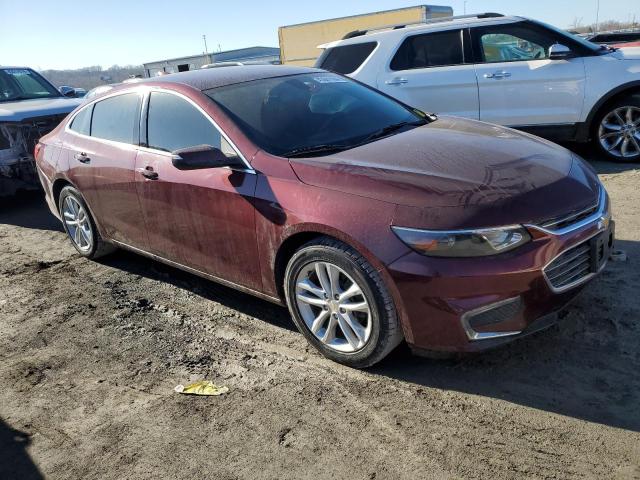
(30,107)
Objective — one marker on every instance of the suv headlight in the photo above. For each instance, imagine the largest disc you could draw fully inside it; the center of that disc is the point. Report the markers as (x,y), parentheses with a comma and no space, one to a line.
(463,243)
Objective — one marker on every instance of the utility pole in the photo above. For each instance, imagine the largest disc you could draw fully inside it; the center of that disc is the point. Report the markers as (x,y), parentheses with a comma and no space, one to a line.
(206,50)
(597,14)
(465,7)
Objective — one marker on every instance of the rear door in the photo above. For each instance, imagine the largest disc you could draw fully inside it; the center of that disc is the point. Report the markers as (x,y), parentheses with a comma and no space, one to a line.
(203,219)
(518,84)
(101,145)
(433,72)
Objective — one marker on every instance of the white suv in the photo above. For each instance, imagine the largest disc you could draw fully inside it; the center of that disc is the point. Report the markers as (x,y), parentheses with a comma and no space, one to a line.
(507,70)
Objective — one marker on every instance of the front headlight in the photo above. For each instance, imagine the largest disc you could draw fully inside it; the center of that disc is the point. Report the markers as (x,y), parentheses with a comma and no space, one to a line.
(463,243)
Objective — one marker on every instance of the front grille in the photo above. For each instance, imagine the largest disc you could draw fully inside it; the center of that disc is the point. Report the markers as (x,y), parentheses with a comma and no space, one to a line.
(571,266)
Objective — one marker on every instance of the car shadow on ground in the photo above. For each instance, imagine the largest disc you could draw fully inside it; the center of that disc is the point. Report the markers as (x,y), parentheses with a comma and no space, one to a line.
(586,151)
(28,210)
(229,297)
(15,461)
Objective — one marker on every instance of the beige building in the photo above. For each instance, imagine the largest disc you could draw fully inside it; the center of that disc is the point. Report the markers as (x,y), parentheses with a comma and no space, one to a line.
(299,43)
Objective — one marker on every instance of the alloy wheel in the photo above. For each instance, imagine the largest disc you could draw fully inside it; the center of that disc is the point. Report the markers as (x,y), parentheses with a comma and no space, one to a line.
(78,224)
(333,307)
(619,132)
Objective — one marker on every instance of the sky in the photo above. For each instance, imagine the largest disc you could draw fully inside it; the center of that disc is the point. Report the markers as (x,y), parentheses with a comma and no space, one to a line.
(71,33)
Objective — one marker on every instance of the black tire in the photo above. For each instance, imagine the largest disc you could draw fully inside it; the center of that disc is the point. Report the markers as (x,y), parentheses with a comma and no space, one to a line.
(98,247)
(630,101)
(385,332)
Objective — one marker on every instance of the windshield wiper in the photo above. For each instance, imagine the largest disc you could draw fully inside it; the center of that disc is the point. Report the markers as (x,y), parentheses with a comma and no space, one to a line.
(304,151)
(383,132)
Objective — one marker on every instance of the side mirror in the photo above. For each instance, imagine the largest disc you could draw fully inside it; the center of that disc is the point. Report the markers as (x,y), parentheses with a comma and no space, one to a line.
(558,51)
(201,157)
(67,91)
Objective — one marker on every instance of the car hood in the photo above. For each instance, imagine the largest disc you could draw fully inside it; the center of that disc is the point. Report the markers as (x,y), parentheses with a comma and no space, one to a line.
(465,167)
(627,53)
(38,107)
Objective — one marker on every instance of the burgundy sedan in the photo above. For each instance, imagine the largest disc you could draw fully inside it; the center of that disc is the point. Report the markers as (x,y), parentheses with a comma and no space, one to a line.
(373,221)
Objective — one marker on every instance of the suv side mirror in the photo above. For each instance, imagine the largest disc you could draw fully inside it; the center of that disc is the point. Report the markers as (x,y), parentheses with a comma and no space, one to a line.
(558,51)
(201,157)
(67,91)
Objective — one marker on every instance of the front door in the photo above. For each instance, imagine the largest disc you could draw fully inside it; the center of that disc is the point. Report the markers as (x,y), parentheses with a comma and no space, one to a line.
(518,84)
(203,218)
(431,72)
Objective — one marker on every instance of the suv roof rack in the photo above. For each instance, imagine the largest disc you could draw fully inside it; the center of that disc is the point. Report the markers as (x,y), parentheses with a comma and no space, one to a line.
(359,33)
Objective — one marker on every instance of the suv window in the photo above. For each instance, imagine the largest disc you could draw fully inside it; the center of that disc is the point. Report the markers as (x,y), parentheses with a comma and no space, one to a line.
(514,42)
(174,123)
(429,50)
(347,58)
(116,118)
(82,121)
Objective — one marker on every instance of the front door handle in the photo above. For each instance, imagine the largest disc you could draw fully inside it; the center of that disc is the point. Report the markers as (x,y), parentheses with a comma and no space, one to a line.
(497,75)
(148,172)
(397,81)
(82,157)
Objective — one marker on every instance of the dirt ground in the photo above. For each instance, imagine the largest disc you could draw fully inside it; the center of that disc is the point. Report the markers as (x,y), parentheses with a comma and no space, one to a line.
(90,353)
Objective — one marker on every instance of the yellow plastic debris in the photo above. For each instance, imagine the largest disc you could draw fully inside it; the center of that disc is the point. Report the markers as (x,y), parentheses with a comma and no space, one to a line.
(203,387)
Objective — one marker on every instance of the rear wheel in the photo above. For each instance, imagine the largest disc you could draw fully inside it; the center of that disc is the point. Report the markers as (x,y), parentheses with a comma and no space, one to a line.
(80,226)
(340,304)
(617,130)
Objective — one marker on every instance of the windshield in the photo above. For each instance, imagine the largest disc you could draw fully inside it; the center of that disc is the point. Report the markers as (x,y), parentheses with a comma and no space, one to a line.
(311,114)
(24,84)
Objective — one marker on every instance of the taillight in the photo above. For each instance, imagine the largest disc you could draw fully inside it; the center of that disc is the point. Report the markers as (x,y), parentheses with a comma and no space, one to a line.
(36,151)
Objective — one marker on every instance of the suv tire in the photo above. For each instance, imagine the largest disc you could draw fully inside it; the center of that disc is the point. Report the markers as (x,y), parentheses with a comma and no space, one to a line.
(616,131)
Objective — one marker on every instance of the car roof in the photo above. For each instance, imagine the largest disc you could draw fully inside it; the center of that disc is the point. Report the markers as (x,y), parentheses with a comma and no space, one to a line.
(219,77)
(435,26)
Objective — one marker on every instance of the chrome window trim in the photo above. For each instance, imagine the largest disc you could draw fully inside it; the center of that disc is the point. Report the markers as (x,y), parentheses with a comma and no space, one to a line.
(472,335)
(144,91)
(600,213)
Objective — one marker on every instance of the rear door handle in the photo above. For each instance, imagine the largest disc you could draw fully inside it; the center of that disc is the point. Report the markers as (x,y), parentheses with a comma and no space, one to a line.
(397,81)
(82,157)
(497,75)
(148,172)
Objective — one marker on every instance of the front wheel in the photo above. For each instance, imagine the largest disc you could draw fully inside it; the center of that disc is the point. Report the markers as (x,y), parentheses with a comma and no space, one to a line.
(340,304)
(617,130)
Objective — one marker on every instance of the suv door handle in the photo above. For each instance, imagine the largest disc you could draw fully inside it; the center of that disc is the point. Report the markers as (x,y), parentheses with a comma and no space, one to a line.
(497,75)
(148,172)
(397,81)
(82,157)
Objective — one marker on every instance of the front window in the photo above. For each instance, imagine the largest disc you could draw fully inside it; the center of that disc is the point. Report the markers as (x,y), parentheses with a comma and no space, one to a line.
(311,114)
(24,84)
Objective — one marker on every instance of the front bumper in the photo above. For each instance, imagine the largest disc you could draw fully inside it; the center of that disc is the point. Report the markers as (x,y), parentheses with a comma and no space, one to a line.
(473,304)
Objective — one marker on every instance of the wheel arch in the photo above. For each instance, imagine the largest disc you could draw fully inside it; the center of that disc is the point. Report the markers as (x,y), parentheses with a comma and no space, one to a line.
(305,233)
(613,95)
(56,189)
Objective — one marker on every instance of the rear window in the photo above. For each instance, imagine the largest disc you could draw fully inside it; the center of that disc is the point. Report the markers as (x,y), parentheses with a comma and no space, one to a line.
(82,121)
(347,58)
(430,50)
(117,118)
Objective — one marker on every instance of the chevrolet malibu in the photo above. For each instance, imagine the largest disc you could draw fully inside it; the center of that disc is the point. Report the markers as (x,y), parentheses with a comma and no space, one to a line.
(372,221)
